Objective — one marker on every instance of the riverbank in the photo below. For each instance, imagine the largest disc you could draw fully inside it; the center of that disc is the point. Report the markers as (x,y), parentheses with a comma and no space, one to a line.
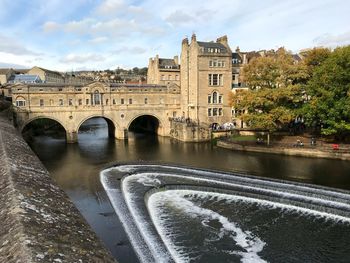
(38,221)
(292,151)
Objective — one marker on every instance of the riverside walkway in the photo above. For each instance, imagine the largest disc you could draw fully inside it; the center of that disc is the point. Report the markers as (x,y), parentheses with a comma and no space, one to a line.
(290,145)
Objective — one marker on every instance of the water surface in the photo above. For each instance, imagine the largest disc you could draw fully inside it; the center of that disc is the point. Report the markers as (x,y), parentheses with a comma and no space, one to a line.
(76,169)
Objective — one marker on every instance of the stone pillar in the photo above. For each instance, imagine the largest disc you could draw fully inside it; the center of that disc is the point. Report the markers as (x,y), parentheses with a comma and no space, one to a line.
(121,133)
(71,136)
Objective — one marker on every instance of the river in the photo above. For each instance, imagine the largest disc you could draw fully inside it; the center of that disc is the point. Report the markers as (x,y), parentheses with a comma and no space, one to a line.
(75,167)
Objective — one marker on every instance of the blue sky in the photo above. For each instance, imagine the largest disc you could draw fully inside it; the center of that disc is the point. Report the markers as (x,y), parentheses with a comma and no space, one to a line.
(86,34)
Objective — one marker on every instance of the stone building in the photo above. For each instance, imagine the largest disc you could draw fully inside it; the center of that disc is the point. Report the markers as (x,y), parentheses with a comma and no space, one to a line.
(5,74)
(163,71)
(47,76)
(206,81)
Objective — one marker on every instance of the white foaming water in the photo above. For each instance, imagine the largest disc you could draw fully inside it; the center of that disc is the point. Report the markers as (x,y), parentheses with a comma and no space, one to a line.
(251,244)
(149,181)
(121,209)
(262,190)
(141,221)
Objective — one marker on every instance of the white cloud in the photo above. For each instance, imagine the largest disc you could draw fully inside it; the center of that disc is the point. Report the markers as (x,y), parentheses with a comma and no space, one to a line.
(109,7)
(333,40)
(12,46)
(79,27)
(79,59)
(98,40)
(51,26)
(131,50)
(179,18)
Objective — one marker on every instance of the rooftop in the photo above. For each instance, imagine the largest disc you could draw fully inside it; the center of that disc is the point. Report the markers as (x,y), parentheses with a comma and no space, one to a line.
(210,47)
(25,78)
(168,63)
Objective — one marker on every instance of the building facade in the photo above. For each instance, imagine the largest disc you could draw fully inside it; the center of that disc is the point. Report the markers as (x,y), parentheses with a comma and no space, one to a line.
(120,104)
(163,71)
(47,76)
(5,74)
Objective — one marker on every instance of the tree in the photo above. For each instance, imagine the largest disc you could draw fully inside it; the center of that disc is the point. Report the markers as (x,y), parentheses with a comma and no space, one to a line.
(329,93)
(314,58)
(275,93)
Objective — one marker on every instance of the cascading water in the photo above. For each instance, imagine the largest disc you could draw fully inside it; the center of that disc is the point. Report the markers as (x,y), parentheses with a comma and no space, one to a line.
(178,214)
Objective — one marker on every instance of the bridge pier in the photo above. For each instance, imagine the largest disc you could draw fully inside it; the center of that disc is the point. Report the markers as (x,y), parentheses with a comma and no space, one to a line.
(121,134)
(71,136)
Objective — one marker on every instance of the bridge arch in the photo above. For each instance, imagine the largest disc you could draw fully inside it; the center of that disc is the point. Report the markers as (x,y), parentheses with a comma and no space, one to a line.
(32,128)
(111,124)
(147,122)
(42,117)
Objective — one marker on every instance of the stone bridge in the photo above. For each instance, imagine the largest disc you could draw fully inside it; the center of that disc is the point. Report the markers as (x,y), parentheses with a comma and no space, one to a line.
(119,104)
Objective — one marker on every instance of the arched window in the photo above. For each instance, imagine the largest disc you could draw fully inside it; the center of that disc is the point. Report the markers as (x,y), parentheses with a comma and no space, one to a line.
(96,98)
(215,97)
(20,102)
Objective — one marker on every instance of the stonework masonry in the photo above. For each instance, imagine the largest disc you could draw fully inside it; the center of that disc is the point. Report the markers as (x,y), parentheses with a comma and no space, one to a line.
(38,221)
(119,104)
(186,96)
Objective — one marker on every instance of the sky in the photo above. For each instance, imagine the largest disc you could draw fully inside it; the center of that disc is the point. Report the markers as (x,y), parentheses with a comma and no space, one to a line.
(105,34)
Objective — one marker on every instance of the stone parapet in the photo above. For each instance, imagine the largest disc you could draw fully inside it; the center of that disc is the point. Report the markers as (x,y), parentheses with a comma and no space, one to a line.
(38,221)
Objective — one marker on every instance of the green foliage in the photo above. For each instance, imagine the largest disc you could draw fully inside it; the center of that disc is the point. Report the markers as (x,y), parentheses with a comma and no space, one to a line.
(275,94)
(329,92)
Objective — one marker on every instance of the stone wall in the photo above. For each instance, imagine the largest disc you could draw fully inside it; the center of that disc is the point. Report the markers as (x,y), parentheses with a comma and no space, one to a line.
(188,133)
(285,151)
(38,221)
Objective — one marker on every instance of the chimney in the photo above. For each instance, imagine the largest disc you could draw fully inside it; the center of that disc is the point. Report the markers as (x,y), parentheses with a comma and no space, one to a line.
(193,38)
(176,60)
(185,41)
(237,49)
(222,40)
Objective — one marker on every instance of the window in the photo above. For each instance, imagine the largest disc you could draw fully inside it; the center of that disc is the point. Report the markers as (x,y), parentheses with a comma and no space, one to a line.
(233,76)
(215,80)
(220,112)
(130,101)
(80,101)
(96,98)
(121,101)
(70,102)
(215,112)
(215,97)
(87,101)
(41,102)
(60,102)
(209,112)
(60,89)
(220,98)
(107,101)
(146,101)
(209,99)
(20,103)
(216,63)
(114,102)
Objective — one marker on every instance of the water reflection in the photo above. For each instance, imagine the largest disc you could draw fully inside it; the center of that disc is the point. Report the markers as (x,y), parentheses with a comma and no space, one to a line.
(76,169)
